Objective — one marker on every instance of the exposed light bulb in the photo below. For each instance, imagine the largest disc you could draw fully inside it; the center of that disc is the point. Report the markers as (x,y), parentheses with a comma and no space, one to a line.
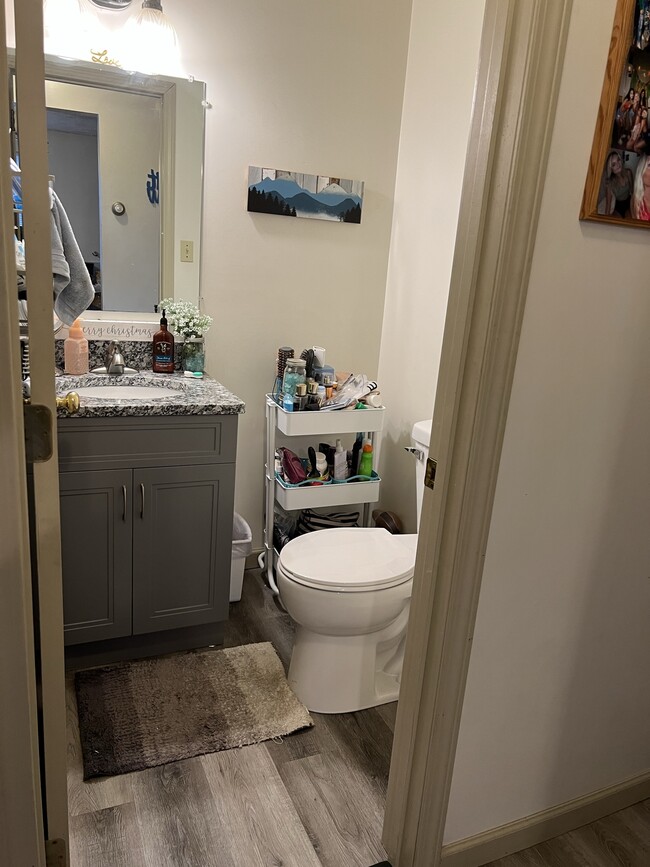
(68,25)
(149,42)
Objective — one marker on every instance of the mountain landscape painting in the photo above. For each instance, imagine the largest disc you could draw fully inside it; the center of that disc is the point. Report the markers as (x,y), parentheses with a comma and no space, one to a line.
(292,194)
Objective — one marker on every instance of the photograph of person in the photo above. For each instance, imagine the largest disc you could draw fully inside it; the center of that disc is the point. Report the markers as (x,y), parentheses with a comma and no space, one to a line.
(640,204)
(617,186)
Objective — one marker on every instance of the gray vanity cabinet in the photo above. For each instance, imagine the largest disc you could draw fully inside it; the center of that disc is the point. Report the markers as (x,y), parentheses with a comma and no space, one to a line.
(146,531)
(96,533)
(182,536)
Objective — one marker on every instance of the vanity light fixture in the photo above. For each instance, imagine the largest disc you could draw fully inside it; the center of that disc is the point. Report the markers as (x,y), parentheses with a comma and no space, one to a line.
(111,4)
(146,43)
(150,42)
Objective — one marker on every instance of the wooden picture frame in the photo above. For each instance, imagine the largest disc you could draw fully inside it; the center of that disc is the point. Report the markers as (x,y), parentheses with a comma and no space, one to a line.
(617,189)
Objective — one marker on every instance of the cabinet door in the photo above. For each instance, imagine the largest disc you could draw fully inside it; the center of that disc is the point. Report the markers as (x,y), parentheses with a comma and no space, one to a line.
(96,535)
(182,543)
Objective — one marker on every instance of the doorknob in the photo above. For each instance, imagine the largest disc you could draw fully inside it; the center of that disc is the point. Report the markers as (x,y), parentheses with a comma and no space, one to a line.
(70,402)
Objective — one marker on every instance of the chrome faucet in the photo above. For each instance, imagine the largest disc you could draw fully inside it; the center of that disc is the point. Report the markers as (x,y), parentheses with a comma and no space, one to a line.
(114,362)
(114,359)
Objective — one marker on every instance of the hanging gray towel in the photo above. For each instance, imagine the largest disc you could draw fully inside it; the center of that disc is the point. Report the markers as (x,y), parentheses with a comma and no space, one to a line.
(73,290)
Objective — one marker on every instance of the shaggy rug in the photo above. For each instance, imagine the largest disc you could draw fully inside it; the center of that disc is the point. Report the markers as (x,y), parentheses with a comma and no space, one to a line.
(140,714)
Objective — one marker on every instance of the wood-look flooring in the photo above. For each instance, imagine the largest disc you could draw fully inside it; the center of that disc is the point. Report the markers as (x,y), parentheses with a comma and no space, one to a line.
(313,799)
(619,840)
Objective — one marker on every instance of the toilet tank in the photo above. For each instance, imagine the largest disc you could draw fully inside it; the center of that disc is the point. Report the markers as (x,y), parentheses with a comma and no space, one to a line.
(420,437)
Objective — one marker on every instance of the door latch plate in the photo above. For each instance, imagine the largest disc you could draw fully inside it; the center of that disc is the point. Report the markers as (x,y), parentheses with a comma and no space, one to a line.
(55,853)
(38,433)
(430,473)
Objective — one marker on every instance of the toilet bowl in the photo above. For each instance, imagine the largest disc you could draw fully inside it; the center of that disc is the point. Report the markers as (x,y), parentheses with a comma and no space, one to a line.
(348,592)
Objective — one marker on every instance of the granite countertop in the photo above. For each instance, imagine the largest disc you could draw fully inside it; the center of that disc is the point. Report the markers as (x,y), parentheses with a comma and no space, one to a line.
(192,396)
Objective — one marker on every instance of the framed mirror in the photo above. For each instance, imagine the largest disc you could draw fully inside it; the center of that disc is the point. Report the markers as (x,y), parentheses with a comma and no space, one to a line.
(126,159)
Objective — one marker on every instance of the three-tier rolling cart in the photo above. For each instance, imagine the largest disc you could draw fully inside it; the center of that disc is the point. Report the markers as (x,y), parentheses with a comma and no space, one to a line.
(336,423)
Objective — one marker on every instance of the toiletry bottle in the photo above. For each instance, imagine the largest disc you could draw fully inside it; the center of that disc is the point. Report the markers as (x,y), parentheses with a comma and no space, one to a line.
(356,452)
(287,402)
(75,350)
(321,466)
(163,349)
(365,464)
(300,399)
(340,462)
(312,396)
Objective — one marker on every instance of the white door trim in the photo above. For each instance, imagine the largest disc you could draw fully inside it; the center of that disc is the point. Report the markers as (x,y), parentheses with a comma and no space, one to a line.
(520,65)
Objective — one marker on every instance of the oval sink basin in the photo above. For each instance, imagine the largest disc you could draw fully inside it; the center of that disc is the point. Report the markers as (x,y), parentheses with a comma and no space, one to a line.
(126,392)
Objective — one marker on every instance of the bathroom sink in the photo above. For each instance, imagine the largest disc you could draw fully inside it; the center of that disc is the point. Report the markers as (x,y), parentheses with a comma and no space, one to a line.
(125,392)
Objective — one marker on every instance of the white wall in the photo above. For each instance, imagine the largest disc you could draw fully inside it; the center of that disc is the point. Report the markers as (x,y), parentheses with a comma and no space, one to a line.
(558,702)
(442,63)
(306,87)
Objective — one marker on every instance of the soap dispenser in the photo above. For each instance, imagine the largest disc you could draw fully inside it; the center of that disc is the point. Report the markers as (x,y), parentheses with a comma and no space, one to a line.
(163,349)
(75,350)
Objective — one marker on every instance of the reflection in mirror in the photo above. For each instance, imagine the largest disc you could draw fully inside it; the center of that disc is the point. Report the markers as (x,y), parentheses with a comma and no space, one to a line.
(103,177)
(126,153)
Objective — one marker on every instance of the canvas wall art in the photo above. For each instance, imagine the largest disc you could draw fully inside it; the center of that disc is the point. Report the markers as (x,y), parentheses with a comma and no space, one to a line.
(292,194)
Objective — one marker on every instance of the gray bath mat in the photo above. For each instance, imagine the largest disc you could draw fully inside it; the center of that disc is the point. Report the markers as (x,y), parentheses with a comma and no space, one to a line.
(140,714)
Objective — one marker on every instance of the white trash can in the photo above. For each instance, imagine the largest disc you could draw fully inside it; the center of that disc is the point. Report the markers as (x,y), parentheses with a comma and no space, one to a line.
(242,546)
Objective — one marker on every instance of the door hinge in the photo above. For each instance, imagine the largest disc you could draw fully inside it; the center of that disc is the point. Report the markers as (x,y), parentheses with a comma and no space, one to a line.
(38,433)
(430,473)
(56,853)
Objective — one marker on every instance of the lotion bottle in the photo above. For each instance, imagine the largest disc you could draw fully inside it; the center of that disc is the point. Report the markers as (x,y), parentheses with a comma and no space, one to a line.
(340,462)
(75,350)
(163,349)
(365,464)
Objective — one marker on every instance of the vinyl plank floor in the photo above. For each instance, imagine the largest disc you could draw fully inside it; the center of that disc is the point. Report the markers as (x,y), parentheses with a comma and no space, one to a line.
(107,838)
(253,804)
(343,818)
(312,799)
(178,819)
(619,840)
(238,808)
(98,794)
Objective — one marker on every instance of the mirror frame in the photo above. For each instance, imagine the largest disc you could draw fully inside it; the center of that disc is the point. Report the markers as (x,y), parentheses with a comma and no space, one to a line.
(181,158)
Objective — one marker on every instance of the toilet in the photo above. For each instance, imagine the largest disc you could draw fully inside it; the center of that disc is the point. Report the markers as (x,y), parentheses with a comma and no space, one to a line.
(348,592)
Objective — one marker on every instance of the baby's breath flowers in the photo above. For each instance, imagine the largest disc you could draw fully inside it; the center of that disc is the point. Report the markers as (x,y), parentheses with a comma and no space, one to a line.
(185,318)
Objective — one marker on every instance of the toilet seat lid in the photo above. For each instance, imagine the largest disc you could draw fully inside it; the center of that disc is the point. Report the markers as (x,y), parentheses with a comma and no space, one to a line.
(349,558)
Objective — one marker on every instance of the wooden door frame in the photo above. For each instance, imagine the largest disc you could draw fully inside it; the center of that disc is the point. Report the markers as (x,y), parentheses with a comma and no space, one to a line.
(21,816)
(520,66)
(48,659)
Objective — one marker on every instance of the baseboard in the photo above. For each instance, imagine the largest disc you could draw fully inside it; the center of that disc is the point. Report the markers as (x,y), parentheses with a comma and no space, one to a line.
(252,558)
(531,830)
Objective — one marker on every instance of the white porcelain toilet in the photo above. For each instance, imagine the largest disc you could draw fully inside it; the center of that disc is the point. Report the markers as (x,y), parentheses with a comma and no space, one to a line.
(348,591)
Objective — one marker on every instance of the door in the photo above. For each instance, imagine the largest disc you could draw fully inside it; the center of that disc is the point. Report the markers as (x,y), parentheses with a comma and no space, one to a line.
(21,813)
(96,509)
(182,537)
(521,56)
(45,634)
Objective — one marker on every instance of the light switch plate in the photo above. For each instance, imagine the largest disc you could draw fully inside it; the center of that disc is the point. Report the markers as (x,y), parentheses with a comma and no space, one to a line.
(187,251)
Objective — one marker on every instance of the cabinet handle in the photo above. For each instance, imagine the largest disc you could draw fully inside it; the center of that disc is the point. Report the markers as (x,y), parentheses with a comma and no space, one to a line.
(141,500)
(124,502)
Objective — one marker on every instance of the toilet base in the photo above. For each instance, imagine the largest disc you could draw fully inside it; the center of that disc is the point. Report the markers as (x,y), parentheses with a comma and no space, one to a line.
(341,674)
